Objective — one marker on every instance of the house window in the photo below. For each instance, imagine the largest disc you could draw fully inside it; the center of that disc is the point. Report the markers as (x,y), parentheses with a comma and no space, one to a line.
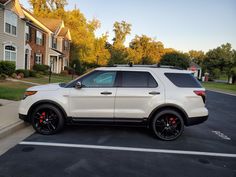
(10,53)
(66,45)
(10,22)
(54,42)
(38,59)
(27,33)
(39,38)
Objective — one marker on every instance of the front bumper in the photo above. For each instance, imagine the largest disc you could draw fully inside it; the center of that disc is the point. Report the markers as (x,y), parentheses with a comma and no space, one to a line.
(196,120)
(24,117)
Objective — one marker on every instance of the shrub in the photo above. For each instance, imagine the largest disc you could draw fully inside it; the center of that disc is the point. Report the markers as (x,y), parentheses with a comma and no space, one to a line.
(14,75)
(43,68)
(7,67)
(24,71)
(32,73)
(3,76)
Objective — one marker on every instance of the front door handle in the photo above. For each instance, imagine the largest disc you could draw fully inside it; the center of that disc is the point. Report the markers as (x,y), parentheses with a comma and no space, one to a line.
(154,93)
(106,93)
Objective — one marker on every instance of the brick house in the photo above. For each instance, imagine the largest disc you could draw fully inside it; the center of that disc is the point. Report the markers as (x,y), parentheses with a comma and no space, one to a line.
(28,40)
(49,41)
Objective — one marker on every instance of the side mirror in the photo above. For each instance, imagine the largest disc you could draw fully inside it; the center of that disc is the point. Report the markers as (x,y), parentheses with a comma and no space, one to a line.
(78,85)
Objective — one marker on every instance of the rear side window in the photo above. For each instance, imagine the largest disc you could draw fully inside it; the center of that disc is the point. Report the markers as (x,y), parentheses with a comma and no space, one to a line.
(135,79)
(183,80)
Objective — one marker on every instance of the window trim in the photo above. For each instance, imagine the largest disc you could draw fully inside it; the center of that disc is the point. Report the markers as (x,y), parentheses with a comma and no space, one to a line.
(4,51)
(150,74)
(41,58)
(5,21)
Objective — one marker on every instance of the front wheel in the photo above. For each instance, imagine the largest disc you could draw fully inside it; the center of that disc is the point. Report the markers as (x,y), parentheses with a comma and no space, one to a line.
(47,119)
(168,125)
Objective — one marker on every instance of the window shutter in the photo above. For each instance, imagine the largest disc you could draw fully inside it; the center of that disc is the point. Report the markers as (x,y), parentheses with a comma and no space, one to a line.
(34,58)
(42,61)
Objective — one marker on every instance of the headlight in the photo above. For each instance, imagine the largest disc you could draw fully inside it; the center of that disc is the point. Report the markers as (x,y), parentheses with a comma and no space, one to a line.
(29,93)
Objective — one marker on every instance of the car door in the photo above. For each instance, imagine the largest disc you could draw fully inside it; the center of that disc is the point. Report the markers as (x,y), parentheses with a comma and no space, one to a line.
(137,95)
(96,97)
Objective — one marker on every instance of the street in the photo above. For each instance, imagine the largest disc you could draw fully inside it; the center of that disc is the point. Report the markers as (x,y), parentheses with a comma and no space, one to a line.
(207,149)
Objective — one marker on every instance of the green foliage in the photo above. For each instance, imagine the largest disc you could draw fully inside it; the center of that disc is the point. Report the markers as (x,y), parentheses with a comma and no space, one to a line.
(176,59)
(7,67)
(216,73)
(40,67)
(222,57)
(24,71)
(32,73)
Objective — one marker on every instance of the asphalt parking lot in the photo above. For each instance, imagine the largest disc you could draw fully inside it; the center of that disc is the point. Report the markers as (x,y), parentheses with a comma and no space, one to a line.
(208,149)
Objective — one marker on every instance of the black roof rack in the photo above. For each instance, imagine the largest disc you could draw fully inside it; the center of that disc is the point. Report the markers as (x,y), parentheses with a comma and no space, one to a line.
(148,66)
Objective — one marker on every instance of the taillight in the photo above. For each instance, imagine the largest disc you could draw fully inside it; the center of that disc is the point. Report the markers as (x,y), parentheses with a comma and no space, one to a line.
(201,93)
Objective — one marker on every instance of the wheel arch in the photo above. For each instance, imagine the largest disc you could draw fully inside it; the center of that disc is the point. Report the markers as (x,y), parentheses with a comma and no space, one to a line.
(41,102)
(168,106)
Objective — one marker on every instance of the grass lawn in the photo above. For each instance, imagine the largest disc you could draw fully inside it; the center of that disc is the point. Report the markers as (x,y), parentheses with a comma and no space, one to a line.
(220,86)
(12,90)
(45,79)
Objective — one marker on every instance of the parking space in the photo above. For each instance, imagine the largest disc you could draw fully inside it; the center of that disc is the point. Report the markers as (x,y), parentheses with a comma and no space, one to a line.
(208,149)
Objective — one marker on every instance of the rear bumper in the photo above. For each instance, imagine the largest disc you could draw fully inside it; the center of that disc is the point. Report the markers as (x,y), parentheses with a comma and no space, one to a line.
(24,117)
(196,120)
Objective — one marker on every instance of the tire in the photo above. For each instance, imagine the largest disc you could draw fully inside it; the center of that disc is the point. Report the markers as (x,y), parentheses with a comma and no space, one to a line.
(168,125)
(47,119)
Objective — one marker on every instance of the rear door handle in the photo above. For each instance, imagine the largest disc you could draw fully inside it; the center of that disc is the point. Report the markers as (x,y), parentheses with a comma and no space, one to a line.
(154,93)
(106,93)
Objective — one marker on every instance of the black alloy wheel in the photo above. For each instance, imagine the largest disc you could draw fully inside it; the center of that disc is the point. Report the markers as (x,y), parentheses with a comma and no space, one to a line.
(168,125)
(47,119)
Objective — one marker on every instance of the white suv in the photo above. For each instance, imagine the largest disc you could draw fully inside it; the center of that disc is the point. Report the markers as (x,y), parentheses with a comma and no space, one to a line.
(163,99)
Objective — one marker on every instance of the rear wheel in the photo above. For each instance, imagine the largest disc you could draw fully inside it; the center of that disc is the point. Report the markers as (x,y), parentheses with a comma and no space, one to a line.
(168,125)
(47,119)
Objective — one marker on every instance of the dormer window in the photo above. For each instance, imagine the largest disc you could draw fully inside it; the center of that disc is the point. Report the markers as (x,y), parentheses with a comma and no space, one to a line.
(10,22)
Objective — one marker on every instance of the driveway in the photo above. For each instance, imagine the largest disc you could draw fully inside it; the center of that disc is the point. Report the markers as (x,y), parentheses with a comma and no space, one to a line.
(208,149)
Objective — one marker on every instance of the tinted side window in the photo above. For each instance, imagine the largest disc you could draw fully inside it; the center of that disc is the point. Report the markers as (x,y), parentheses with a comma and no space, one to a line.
(134,79)
(100,79)
(183,80)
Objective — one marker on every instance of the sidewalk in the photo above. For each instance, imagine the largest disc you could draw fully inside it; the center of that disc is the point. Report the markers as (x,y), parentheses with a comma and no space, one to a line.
(9,121)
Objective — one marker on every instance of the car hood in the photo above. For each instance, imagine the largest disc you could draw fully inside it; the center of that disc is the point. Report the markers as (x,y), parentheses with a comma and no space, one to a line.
(47,87)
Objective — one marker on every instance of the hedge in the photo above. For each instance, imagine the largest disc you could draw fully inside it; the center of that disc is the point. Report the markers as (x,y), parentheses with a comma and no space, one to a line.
(43,68)
(7,67)
(24,71)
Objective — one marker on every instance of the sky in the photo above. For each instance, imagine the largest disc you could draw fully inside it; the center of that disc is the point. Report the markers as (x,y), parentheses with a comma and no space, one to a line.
(180,24)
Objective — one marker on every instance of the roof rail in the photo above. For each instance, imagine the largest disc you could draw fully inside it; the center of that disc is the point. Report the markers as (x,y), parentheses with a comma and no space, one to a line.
(148,66)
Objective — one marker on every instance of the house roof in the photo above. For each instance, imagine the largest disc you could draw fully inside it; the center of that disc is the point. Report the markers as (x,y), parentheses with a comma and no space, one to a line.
(63,32)
(51,23)
(3,1)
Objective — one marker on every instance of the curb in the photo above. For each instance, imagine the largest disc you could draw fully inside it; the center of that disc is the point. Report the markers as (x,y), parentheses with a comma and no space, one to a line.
(5,131)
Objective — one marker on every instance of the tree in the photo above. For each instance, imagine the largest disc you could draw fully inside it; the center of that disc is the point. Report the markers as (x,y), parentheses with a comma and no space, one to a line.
(176,59)
(197,56)
(121,30)
(145,50)
(119,53)
(222,58)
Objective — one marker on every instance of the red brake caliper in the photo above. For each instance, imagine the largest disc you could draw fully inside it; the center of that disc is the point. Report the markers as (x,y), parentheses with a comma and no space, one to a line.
(42,117)
(172,121)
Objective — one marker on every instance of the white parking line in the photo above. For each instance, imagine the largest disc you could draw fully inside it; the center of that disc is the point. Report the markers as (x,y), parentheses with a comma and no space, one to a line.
(118,148)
